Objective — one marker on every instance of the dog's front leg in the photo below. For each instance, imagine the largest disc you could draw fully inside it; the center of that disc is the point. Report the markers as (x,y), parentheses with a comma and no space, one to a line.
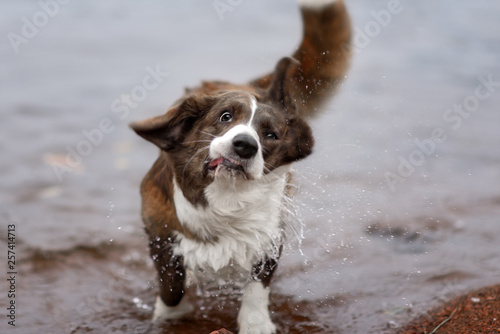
(254,317)
(170,304)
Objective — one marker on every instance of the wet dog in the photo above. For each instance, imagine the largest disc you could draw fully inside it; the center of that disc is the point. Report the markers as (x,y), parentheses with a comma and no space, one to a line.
(214,198)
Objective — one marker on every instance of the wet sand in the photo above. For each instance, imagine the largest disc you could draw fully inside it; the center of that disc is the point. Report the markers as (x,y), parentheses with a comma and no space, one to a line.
(400,201)
(476,312)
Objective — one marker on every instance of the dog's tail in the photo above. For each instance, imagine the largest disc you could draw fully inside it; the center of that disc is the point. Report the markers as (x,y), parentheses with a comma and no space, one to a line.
(323,56)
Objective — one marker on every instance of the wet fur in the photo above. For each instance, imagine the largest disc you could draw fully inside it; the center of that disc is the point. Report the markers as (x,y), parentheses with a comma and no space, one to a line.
(197,216)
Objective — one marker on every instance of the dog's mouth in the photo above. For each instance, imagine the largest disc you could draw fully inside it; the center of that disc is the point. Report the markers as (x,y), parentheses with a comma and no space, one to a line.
(228,163)
(231,165)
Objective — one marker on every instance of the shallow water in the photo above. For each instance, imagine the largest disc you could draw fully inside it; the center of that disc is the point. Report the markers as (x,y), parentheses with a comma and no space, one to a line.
(373,255)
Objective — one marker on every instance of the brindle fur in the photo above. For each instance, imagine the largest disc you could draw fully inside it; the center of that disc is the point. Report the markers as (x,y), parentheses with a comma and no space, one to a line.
(323,58)
(294,90)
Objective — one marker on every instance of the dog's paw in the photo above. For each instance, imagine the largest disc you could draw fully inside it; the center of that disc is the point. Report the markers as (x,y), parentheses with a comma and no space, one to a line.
(255,322)
(164,312)
(253,317)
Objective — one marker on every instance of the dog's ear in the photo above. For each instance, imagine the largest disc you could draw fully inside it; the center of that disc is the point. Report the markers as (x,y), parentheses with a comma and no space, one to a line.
(279,90)
(164,131)
(299,140)
(168,131)
(298,137)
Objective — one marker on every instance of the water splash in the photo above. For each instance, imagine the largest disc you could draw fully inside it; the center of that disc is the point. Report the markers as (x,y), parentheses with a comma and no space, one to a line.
(141,305)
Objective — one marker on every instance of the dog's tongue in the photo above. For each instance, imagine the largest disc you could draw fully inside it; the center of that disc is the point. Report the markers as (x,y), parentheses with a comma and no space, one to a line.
(216,162)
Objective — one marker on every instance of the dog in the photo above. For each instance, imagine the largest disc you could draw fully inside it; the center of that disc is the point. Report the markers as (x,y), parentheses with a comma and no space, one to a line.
(214,198)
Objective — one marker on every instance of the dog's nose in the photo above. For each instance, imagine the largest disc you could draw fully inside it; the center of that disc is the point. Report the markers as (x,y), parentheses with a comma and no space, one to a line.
(245,146)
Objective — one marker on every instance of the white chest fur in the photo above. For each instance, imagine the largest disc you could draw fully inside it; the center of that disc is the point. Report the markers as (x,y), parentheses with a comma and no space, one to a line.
(244,216)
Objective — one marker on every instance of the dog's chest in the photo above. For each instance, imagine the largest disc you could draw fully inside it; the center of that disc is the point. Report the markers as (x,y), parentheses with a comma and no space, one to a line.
(240,225)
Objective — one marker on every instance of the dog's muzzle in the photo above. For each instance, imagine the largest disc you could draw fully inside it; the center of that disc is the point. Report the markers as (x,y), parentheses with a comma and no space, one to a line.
(237,151)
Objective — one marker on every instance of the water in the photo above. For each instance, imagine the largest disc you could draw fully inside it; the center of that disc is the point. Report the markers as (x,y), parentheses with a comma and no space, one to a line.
(380,246)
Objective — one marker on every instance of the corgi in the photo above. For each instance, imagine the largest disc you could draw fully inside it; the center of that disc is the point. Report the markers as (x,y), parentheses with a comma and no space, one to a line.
(214,198)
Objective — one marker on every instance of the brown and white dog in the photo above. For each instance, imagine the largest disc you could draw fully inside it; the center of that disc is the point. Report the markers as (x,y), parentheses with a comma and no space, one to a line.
(214,198)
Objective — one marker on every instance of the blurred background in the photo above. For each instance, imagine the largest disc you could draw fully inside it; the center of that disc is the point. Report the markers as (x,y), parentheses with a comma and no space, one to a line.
(400,201)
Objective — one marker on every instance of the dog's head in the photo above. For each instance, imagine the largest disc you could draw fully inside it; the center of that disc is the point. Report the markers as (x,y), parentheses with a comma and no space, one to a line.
(221,130)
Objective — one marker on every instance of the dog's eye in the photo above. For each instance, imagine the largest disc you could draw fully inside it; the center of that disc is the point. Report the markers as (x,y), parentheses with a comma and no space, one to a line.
(226,117)
(270,135)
